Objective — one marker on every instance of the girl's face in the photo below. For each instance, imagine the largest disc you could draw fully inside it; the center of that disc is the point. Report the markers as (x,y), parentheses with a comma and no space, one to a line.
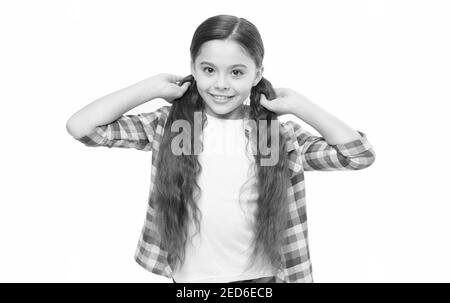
(225,75)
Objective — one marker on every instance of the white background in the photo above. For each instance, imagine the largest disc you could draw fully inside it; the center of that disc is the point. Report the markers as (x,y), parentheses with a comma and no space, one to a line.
(69,213)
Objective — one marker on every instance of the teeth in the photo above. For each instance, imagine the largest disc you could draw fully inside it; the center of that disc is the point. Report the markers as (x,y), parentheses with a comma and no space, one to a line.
(221,98)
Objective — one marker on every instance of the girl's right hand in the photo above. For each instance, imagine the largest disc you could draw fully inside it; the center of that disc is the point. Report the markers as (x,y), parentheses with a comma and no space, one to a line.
(166,87)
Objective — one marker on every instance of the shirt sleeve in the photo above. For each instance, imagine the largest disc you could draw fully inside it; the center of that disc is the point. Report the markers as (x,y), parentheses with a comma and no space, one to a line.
(128,131)
(317,154)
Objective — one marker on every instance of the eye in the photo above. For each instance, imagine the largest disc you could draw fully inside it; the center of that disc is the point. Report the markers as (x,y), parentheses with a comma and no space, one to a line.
(240,72)
(206,68)
(210,70)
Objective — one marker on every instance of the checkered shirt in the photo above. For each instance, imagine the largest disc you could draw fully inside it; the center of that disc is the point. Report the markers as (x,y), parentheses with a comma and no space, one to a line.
(306,152)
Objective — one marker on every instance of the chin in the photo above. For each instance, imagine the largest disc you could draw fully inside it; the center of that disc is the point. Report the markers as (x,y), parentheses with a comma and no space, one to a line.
(223,110)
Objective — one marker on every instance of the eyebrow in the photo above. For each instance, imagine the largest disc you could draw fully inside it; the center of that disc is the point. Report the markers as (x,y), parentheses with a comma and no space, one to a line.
(235,65)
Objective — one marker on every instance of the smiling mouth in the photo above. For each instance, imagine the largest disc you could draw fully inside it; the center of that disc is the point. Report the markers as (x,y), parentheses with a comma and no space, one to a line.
(221,98)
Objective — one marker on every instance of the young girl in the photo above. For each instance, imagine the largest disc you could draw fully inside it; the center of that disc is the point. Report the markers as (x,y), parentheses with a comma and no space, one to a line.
(215,215)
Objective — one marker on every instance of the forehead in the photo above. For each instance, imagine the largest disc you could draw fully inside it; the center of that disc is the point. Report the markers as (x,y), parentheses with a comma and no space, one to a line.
(224,53)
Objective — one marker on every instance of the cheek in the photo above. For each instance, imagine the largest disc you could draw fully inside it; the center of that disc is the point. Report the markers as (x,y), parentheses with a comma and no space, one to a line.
(243,86)
(244,90)
(203,84)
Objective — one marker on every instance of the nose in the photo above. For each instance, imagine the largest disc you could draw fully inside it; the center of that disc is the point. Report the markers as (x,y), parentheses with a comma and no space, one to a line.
(222,83)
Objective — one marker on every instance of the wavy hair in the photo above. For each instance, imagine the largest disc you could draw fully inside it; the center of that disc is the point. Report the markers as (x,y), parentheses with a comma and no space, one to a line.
(176,189)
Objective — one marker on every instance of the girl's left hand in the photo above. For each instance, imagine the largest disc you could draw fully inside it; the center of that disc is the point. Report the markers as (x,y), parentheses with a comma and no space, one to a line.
(286,102)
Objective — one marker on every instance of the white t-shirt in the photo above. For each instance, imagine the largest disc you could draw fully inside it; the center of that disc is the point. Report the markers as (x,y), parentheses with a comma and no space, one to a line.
(220,252)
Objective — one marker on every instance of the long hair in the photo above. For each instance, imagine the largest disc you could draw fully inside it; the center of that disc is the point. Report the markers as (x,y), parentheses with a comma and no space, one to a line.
(176,189)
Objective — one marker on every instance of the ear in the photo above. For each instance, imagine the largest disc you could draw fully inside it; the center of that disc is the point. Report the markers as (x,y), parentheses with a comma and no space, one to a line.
(259,75)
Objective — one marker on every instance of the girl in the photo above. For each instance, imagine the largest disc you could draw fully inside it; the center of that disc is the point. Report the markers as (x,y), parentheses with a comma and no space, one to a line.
(216,216)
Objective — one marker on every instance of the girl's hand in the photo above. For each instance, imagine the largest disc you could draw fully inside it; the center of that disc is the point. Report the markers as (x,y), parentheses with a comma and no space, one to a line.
(166,87)
(287,101)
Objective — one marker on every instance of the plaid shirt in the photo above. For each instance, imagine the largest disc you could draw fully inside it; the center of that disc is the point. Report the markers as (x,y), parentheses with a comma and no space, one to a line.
(306,152)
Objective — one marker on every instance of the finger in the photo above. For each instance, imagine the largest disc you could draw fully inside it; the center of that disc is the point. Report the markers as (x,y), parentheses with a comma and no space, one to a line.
(174,78)
(264,102)
(185,86)
(179,78)
(262,98)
